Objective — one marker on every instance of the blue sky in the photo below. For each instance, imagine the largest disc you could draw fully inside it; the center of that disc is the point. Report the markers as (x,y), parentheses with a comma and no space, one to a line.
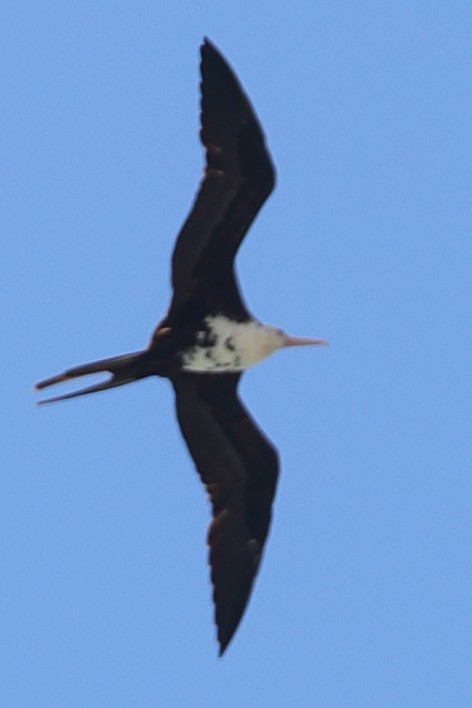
(365,592)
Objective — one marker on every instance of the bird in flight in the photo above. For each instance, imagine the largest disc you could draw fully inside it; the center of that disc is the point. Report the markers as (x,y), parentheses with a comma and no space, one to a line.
(208,338)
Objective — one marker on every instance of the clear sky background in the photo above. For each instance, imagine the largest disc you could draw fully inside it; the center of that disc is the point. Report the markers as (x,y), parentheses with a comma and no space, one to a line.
(364,598)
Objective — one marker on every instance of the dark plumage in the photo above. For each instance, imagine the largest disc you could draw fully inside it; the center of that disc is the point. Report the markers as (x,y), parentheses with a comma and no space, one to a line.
(208,338)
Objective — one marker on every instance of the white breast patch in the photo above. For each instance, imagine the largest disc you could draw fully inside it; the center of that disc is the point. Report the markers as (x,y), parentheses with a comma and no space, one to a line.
(225,345)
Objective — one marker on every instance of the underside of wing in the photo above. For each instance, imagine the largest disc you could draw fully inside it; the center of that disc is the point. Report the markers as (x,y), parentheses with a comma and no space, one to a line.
(239,469)
(238,178)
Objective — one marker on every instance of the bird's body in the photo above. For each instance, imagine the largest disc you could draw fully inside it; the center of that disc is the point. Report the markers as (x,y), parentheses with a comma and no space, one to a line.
(208,337)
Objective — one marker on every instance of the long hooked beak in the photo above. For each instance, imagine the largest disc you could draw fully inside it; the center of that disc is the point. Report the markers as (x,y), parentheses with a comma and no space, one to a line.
(303,342)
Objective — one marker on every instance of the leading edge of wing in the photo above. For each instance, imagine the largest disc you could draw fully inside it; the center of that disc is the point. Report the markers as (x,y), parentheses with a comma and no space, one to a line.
(239,175)
(239,469)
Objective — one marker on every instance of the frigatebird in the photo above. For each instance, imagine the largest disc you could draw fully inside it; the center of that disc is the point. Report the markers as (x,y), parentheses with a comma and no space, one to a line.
(208,338)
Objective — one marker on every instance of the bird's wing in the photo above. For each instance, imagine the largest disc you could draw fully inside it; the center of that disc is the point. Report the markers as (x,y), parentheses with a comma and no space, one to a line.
(238,178)
(239,469)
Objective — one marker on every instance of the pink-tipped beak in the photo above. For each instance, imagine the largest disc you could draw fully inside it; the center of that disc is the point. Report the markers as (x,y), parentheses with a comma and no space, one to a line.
(303,342)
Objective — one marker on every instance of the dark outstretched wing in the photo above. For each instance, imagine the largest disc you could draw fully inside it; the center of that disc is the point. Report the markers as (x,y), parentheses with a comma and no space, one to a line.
(239,469)
(238,178)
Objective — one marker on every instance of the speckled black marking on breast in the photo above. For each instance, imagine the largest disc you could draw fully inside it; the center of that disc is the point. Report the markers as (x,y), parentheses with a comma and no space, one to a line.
(206,338)
(229,344)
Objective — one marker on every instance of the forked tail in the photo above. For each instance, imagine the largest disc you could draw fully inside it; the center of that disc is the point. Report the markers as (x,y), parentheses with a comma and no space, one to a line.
(123,369)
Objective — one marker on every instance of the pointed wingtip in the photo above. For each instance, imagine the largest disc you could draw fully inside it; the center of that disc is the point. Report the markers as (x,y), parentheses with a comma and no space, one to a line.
(223,645)
(225,636)
(208,46)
